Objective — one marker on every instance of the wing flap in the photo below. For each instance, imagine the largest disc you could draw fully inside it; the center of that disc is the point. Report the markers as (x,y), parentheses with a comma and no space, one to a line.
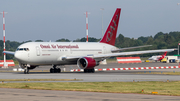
(121,49)
(132,53)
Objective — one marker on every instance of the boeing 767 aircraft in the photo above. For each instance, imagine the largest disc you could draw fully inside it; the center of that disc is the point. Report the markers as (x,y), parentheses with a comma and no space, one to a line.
(86,55)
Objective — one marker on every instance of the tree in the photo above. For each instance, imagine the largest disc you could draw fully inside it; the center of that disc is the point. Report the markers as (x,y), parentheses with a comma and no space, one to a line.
(62,40)
(119,40)
(150,41)
(143,39)
(90,39)
(39,41)
(159,41)
(158,34)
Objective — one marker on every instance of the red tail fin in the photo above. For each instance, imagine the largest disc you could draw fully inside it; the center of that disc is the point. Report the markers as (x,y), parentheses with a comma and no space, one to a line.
(110,35)
(162,56)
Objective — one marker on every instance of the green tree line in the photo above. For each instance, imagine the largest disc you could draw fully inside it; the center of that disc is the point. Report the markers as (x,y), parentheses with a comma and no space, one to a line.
(159,41)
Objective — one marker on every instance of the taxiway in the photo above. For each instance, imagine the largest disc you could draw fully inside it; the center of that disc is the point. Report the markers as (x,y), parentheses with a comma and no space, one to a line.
(99,76)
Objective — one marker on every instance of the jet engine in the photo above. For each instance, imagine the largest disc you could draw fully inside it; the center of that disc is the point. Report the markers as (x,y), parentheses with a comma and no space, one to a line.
(87,63)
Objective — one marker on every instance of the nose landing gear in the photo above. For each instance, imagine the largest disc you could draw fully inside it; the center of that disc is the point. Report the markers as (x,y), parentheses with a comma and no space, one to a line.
(26,70)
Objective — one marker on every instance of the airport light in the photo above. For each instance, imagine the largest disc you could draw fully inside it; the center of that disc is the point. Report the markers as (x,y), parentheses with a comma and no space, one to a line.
(87,25)
(102,20)
(178,48)
(178,43)
(5,65)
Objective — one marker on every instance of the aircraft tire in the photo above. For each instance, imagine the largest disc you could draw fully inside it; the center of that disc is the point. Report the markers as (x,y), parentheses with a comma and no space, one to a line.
(27,71)
(89,70)
(51,70)
(24,71)
(85,70)
(58,70)
(55,70)
(92,70)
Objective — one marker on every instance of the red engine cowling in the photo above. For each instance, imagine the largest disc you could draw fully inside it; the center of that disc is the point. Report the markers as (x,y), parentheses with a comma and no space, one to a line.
(86,63)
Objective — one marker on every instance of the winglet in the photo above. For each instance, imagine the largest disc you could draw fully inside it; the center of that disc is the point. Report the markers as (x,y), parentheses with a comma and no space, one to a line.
(110,34)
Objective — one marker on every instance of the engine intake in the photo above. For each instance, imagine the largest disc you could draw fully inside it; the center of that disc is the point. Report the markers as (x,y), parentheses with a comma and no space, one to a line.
(86,63)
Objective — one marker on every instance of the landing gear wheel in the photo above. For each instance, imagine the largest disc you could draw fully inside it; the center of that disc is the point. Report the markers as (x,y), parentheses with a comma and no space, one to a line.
(55,70)
(26,71)
(85,70)
(89,70)
(92,70)
(51,70)
(59,70)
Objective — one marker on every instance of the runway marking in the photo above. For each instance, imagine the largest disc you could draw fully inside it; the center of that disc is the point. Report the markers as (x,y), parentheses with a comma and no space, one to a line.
(131,68)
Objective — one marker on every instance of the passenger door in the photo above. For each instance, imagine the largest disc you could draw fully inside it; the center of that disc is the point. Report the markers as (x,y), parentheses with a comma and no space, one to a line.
(37,50)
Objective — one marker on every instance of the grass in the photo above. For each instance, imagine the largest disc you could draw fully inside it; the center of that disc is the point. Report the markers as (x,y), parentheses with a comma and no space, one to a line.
(16,62)
(163,88)
(114,60)
(165,73)
(40,80)
(144,58)
(111,60)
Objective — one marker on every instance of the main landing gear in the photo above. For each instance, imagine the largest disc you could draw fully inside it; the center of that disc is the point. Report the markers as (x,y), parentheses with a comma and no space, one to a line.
(55,70)
(89,70)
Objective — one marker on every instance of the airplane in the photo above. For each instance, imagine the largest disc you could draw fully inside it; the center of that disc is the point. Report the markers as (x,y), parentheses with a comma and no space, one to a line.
(158,57)
(86,55)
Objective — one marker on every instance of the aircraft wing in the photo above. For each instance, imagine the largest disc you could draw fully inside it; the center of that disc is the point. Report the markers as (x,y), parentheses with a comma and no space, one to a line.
(121,49)
(132,53)
(120,54)
(9,52)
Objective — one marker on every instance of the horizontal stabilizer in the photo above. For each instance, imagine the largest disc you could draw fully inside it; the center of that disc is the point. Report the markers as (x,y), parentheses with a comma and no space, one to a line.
(9,52)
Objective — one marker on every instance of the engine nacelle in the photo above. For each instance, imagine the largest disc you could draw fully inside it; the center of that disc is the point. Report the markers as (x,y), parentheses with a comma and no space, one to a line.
(86,63)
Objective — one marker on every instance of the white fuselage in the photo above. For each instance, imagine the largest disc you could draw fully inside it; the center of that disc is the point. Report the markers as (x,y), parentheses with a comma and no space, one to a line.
(52,53)
(155,58)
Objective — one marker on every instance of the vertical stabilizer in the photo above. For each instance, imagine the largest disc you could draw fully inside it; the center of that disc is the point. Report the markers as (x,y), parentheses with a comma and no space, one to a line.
(162,56)
(110,34)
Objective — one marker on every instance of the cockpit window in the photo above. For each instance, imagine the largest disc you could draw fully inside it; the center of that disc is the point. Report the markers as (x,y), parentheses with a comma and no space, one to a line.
(22,49)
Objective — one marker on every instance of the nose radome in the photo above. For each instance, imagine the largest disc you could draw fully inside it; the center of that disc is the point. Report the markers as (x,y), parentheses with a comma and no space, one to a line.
(17,56)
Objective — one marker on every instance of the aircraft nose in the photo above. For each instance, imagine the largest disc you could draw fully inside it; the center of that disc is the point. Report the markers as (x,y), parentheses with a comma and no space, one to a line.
(18,56)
